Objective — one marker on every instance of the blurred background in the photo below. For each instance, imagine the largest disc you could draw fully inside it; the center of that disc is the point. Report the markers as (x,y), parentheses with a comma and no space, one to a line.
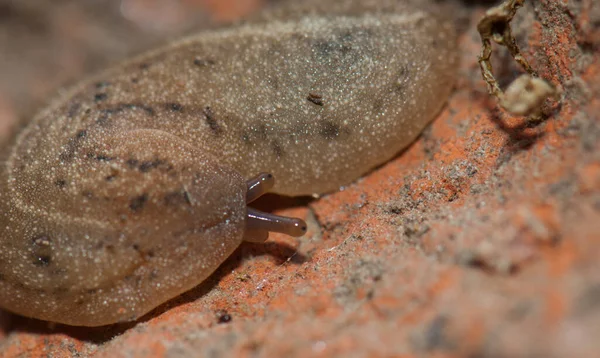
(46,45)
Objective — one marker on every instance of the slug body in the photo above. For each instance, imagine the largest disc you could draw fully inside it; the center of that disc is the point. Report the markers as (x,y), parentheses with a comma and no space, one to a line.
(131,188)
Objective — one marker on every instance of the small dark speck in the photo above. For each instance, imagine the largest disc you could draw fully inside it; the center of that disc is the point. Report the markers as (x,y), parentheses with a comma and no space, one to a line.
(103,158)
(100,97)
(137,203)
(61,183)
(99,157)
(43,261)
(315,98)
(210,119)
(223,316)
(146,166)
(173,106)
(82,134)
(91,291)
(203,62)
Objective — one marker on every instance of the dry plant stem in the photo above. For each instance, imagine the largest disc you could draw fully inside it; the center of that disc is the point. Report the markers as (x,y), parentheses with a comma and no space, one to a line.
(495,26)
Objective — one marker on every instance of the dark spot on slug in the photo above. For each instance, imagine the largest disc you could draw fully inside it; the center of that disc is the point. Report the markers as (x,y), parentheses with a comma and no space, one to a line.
(210,120)
(401,81)
(148,165)
(315,98)
(245,137)
(43,260)
(99,97)
(346,37)
(61,183)
(174,106)
(137,203)
(102,119)
(340,46)
(277,149)
(99,157)
(201,62)
(41,251)
(329,130)
(71,147)
(110,248)
(327,49)
(260,132)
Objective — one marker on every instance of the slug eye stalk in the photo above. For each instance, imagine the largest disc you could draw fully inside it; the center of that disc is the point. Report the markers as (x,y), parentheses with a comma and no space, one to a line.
(258,223)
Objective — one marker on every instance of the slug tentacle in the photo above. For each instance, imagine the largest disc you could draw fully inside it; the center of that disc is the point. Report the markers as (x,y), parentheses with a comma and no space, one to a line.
(258,223)
(258,186)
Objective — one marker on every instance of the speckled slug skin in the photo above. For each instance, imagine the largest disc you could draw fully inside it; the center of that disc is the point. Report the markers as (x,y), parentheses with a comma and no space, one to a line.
(130,189)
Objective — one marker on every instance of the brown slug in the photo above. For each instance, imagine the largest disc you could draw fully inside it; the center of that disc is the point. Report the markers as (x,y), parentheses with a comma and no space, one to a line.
(132,187)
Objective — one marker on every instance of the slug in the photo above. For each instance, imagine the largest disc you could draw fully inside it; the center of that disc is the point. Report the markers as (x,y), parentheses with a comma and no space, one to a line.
(133,187)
